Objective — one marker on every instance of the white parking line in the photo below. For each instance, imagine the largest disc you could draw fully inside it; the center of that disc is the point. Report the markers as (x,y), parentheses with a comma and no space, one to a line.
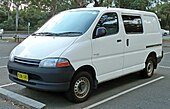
(5,85)
(123,93)
(5,57)
(2,67)
(167,67)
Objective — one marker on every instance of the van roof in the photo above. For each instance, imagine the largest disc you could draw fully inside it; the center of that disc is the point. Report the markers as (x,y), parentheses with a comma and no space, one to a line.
(122,10)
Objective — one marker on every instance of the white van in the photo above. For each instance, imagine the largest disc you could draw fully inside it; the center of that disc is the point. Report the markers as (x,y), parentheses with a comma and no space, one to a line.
(80,48)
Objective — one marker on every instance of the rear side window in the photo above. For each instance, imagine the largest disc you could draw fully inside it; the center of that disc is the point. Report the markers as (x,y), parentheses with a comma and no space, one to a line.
(132,24)
(151,24)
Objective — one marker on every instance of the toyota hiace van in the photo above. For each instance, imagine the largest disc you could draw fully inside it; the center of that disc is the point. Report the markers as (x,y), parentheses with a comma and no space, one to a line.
(78,49)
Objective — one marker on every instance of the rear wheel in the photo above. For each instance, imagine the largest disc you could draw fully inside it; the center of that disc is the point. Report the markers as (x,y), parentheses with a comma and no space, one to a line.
(149,67)
(80,87)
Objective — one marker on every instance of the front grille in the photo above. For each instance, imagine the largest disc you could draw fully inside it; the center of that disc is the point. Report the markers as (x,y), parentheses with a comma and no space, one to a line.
(33,62)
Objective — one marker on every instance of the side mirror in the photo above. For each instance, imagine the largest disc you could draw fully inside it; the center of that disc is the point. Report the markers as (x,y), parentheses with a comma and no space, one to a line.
(101,31)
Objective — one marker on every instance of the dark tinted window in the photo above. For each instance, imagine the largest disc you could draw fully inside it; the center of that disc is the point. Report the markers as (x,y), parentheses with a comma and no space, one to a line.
(110,22)
(132,24)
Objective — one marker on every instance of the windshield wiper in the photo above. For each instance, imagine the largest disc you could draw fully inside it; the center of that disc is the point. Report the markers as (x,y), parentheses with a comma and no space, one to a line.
(58,34)
(71,33)
(45,33)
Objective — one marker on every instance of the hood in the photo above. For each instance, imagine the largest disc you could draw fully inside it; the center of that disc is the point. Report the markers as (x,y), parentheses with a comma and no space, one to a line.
(40,47)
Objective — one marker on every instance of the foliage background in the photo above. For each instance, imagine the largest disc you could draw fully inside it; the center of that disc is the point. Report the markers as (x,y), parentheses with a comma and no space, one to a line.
(37,12)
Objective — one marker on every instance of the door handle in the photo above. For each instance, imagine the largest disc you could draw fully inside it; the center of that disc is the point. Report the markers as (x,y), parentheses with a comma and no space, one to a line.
(127,42)
(96,54)
(119,40)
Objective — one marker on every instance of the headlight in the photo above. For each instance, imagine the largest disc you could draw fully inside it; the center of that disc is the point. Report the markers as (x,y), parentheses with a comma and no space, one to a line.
(11,57)
(54,62)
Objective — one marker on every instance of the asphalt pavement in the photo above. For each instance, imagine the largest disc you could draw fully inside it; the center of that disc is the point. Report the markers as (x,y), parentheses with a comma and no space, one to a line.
(128,92)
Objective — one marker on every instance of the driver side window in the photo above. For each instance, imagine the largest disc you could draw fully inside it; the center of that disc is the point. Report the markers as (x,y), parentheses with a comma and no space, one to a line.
(110,22)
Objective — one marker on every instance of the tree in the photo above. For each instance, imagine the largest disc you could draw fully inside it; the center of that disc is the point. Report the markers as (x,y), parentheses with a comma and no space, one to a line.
(3,14)
(130,4)
(165,10)
(140,4)
(46,5)
(8,24)
(37,12)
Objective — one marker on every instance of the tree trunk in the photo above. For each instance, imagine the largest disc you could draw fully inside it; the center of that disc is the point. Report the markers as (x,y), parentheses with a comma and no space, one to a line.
(98,4)
(53,7)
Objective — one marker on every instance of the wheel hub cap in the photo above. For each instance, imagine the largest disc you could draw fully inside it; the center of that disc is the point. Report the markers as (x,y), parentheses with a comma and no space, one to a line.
(82,87)
(150,68)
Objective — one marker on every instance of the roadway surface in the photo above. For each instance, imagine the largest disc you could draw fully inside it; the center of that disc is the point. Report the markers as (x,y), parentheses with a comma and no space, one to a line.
(128,92)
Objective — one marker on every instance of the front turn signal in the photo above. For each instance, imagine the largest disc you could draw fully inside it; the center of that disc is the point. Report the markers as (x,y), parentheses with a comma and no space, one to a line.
(63,63)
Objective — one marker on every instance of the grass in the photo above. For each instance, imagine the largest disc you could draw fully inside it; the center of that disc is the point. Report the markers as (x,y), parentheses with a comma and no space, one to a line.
(166,40)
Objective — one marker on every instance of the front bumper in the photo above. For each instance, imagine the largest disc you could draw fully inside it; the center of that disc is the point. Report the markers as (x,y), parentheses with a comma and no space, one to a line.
(48,79)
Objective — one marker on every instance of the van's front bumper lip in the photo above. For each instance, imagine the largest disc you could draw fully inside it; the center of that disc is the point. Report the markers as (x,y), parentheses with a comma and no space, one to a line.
(49,79)
(160,58)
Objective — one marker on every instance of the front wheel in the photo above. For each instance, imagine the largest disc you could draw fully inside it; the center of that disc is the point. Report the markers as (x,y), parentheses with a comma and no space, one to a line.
(80,87)
(149,67)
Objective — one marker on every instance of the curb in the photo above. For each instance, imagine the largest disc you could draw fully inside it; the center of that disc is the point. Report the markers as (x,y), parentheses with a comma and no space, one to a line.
(21,100)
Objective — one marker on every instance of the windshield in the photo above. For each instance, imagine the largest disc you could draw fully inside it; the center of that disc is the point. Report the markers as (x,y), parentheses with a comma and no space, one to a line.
(68,23)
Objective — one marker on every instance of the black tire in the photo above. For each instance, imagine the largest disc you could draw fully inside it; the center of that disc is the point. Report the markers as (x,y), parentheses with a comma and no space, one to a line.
(150,64)
(80,87)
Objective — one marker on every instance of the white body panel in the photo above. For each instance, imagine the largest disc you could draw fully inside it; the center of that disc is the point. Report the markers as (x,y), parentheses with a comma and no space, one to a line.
(41,47)
(108,54)
(109,58)
(79,53)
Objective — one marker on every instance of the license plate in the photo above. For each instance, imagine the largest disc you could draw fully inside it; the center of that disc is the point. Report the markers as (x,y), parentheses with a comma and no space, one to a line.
(22,76)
